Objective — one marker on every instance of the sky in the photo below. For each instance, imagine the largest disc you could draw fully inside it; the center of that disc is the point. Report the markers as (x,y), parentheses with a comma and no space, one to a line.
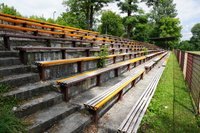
(188,10)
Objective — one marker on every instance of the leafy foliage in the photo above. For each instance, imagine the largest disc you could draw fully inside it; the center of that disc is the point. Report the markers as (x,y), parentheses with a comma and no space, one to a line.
(102,54)
(72,19)
(38,18)
(9,10)
(142,29)
(170,27)
(164,22)
(195,40)
(86,8)
(185,46)
(145,50)
(8,122)
(111,24)
(129,7)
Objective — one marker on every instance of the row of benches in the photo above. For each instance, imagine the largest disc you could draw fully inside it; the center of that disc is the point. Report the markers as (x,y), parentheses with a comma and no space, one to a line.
(44,65)
(6,38)
(151,64)
(95,104)
(67,82)
(52,27)
(60,33)
(131,123)
(42,25)
(36,27)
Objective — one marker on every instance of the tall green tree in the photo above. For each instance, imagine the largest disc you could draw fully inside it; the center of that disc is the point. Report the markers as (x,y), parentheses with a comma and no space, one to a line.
(142,29)
(185,46)
(195,39)
(163,18)
(170,27)
(111,24)
(9,10)
(164,8)
(129,7)
(72,19)
(88,7)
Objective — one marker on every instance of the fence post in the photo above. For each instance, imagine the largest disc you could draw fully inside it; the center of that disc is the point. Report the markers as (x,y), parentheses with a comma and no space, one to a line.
(185,65)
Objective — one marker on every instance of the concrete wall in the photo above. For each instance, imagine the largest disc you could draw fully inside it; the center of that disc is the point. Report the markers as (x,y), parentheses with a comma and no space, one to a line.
(31,57)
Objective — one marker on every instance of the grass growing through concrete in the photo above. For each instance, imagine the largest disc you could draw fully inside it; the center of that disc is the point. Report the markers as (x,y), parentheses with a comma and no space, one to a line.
(8,122)
(171,109)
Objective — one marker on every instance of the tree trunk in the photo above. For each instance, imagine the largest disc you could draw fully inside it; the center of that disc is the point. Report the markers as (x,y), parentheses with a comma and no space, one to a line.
(129,26)
(88,17)
(91,16)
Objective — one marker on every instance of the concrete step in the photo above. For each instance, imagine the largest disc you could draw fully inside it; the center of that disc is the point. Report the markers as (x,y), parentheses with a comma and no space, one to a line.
(2,47)
(31,90)
(39,103)
(13,70)
(21,79)
(74,123)
(44,119)
(8,54)
(8,61)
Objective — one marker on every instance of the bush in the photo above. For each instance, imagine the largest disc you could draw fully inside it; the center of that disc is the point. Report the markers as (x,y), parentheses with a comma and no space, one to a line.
(102,54)
(8,122)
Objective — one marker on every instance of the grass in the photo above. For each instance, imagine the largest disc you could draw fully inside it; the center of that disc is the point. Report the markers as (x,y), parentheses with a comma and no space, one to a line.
(171,109)
(8,122)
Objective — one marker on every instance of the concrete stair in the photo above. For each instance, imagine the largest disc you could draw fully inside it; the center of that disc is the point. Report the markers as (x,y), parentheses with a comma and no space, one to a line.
(13,70)
(44,119)
(28,91)
(19,80)
(75,123)
(38,103)
(9,61)
(41,105)
(8,54)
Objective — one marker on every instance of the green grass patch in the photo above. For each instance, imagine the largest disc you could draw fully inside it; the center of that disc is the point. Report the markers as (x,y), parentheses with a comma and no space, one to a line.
(171,109)
(8,122)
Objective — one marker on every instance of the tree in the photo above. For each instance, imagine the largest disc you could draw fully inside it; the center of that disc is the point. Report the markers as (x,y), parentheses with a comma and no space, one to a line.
(9,10)
(71,19)
(38,18)
(151,2)
(170,27)
(88,7)
(195,39)
(111,24)
(142,29)
(164,8)
(129,7)
(163,19)
(185,46)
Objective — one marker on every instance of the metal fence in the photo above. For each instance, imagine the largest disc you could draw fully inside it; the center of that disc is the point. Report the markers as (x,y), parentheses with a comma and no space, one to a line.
(190,65)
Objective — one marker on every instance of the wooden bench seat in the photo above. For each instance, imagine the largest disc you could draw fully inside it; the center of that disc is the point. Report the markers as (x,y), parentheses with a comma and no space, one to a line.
(131,123)
(43,65)
(16,19)
(7,36)
(67,82)
(149,66)
(97,102)
(159,57)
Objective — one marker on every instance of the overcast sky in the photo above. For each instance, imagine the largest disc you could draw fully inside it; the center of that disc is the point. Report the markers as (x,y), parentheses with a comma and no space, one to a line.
(188,10)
